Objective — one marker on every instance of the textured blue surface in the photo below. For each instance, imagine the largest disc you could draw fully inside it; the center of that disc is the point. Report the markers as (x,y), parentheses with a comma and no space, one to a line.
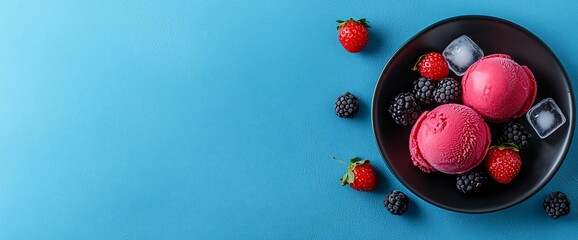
(214,120)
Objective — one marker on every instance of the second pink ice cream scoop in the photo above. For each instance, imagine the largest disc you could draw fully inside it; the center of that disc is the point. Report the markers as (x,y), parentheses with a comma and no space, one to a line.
(451,138)
(498,88)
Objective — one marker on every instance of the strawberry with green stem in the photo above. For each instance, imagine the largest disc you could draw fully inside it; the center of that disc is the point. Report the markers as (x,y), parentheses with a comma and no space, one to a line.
(432,66)
(503,162)
(360,175)
(353,34)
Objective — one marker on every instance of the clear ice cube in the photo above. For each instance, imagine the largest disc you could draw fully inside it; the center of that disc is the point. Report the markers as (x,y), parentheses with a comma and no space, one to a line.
(461,53)
(545,117)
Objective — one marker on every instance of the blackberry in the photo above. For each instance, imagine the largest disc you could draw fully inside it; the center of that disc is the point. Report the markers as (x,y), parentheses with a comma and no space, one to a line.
(404,109)
(515,133)
(471,181)
(346,105)
(423,90)
(396,202)
(557,205)
(449,90)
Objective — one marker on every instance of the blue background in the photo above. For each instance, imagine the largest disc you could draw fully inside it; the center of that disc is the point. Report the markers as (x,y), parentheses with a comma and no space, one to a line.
(214,120)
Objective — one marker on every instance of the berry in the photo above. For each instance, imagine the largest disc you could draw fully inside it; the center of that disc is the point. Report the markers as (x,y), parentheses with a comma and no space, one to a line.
(346,105)
(449,90)
(404,109)
(360,175)
(352,34)
(432,66)
(396,202)
(557,205)
(423,90)
(515,133)
(503,163)
(471,181)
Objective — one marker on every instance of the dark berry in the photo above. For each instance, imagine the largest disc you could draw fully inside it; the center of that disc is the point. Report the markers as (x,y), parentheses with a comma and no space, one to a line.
(404,109)
(515,133)
(448,90)
(423,90)
(471,181)
(557,205)
(346,105)
(396,202)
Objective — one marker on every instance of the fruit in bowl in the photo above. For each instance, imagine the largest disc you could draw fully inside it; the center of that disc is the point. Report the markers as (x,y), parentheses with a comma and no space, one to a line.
(539,162)
(454,138)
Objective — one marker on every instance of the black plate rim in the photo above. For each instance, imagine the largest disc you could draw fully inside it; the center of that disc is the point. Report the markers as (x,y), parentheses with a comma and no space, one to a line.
(489,209)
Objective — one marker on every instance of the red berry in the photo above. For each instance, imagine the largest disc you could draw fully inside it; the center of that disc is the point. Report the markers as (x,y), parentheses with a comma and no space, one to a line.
(360,175)
(432,66)
(352,34)
(503,163)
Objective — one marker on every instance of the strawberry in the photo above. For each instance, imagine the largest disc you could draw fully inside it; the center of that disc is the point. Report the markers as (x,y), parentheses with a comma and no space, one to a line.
(432,66)
(503,163)
(352,34)
(360,175)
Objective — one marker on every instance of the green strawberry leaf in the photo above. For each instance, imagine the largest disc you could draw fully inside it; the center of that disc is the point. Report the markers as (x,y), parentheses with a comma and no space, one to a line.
(512,146)
(361,162)
(361,21)
(355,159)
(350,176)
(344,179)
(364,22)
(509,146)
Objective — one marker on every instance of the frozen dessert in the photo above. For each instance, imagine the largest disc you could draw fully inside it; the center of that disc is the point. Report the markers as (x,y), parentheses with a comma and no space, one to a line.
(498,88)
(451,138)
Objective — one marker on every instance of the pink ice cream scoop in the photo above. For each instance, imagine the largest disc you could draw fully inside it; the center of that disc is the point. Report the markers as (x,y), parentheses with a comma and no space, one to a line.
(452,138)
(498,88)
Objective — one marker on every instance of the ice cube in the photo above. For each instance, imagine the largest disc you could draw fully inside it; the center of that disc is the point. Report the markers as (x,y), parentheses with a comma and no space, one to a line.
(461,53)
(545,117)
(545,120)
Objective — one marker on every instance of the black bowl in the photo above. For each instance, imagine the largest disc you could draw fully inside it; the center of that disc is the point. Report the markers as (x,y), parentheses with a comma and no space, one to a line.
(493,35)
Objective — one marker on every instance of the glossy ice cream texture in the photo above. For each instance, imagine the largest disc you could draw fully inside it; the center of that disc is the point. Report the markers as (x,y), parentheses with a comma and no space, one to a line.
(452,138)
(498,88)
